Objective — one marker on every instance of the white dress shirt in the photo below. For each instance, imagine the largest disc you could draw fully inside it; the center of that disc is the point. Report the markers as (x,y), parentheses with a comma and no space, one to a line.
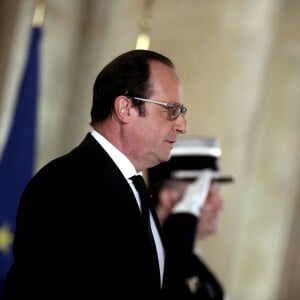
(128,170)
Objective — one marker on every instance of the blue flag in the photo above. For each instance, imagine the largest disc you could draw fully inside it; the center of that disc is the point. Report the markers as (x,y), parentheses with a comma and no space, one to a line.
(17,162)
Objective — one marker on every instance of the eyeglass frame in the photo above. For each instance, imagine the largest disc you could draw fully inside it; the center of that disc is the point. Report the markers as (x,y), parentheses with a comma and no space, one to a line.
(166,104)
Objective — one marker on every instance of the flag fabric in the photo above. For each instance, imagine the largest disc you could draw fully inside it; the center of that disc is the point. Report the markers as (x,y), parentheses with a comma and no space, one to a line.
(17,162)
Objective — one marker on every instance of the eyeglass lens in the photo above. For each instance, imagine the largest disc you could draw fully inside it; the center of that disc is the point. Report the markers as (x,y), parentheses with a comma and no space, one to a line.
(175,111)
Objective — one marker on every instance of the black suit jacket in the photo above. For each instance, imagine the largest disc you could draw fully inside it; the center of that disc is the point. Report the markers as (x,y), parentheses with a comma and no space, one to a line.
(79,233)
(189,278)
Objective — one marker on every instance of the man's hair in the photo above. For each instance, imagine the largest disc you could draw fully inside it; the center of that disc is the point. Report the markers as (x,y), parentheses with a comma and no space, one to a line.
(127,74)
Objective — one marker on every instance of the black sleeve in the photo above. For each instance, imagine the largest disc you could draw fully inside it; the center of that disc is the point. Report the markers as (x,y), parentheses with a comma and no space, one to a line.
(179,235)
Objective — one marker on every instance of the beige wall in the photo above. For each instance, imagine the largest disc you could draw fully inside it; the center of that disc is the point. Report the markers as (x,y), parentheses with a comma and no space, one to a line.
(240,65)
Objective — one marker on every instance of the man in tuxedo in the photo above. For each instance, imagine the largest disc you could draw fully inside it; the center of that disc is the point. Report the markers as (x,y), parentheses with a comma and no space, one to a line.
(80,231)
(186,193)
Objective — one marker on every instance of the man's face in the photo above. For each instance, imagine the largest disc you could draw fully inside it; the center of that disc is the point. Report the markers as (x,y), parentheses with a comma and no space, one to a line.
(152,136)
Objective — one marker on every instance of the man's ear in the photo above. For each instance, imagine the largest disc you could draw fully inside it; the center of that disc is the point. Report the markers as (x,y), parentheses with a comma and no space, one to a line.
(122,108)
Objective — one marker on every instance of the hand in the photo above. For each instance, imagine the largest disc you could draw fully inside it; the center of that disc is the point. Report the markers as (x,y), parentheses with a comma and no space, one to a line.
(195,194)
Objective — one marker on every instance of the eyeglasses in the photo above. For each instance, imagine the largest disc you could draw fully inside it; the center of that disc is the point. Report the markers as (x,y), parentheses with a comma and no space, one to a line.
(174,109)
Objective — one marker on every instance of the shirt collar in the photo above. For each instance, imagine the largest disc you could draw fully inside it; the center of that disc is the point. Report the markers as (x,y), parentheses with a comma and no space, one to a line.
(124,164)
